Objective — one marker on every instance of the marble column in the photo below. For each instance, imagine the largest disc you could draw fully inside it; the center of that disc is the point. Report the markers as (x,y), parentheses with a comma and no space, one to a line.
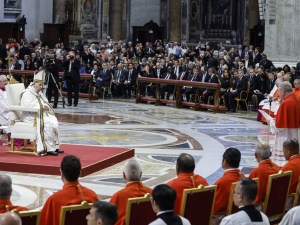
(115,20)
(282,31)
(175,20)
(59,11)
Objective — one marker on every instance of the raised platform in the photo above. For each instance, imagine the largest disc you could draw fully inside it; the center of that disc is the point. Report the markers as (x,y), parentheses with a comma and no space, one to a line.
(93,159)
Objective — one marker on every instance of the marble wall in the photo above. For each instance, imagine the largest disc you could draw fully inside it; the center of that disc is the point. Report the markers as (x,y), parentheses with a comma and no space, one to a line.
(282,30)
(142,11)
(37,13)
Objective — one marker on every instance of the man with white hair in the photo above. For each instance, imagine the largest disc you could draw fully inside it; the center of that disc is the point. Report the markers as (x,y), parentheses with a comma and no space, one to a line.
(265,168)
(10,218)
(132,174)
(47,124)
(286,125)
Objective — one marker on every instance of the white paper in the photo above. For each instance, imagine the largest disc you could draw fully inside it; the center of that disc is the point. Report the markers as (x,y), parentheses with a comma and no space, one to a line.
(266,115)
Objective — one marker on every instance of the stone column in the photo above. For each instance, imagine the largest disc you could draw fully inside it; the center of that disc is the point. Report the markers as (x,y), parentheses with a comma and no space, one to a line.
(282,31)
(115,21)
(59,11)
(175,20)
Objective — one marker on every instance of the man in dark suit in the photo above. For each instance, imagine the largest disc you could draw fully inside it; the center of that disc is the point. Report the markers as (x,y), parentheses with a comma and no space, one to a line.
(267,64)
(177,68)
(214,80)
(187,91)
(184,73)
(270,82)
(72,77)
(254,83)
(118,81)
(158,71)
(203,76)
(130,82)
(247,62)
(87,55)
(241,85)
(213,60)
(104,78)
(257,57)
(170,75)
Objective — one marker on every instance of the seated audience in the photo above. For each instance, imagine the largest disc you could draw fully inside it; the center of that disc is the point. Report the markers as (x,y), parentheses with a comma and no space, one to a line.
(186,178)
(134,188)
(243,197)
(265,168)
(230,163)
(72,193)
(5,195)
(102,213)
(10,218)
(163,199)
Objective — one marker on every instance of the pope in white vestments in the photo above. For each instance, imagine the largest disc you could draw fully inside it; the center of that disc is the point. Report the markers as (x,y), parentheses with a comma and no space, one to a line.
(47,125)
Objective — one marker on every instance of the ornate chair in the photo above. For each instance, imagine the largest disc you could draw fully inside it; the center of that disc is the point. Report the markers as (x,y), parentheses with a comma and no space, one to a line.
(74,214)
(139,211)
(243,97)
(107,89)
(276,196)
(198,204)
(20,129)
(30,217)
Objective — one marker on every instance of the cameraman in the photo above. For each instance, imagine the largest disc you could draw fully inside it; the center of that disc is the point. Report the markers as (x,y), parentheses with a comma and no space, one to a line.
(72,77)
(52,67)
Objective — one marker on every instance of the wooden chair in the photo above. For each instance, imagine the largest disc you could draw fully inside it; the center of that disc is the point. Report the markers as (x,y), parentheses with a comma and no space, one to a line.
(30,217)
(276,195)
(20,129)
(107,89)
(139,211)
(198,204)
(232,208)
(74,214)
(243,97)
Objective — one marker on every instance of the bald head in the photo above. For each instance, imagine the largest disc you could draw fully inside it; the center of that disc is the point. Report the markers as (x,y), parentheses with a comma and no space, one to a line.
(10,218)
(5,187)
(132,170)
(185,163)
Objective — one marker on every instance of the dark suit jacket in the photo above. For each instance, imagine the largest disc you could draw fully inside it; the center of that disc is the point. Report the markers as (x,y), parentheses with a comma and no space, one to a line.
(254,83)
(206,79)
(212,62)
(171,77)
(267,64)
(121,77)
(184,75)
(161,72)
(241,85)
(133,76)
(256,59)
(106,77)
(75,67)
(87,58)
(270,85)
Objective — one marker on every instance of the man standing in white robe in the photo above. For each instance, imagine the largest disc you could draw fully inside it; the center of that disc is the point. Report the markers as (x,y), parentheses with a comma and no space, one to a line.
(47,124)
(4,110)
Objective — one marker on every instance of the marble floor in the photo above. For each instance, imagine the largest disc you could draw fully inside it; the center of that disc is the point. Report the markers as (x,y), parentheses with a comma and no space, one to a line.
(157,133)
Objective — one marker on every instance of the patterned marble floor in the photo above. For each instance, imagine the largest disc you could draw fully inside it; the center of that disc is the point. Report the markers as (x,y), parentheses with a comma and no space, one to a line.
(158,134)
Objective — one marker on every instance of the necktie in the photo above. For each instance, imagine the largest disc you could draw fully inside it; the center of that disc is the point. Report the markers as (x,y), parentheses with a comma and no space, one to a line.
(158,71)
(167,77)
(118,78)
(182,75)
(193,78)
(203,78)
(70,66)
(129,76)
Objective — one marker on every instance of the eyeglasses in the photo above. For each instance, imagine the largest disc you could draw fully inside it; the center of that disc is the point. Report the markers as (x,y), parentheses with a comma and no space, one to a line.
(234,192)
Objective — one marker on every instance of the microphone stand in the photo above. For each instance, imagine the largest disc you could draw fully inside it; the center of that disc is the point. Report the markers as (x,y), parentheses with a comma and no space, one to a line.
(270,102)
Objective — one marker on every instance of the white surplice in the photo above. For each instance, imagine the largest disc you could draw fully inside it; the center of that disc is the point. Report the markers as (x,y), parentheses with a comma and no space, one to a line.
(4,111)
(47,124)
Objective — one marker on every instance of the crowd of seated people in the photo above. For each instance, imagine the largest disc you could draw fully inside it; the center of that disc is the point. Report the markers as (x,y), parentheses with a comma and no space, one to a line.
(73,192)
(235,68)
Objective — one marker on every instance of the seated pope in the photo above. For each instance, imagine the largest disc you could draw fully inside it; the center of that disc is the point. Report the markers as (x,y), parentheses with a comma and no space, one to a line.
(47,125)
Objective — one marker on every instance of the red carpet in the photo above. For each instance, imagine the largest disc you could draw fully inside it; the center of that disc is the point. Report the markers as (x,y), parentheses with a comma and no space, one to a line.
(93,159)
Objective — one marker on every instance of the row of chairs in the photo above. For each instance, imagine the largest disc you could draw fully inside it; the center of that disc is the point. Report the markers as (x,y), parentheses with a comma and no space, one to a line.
(199,203)
(196,203)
